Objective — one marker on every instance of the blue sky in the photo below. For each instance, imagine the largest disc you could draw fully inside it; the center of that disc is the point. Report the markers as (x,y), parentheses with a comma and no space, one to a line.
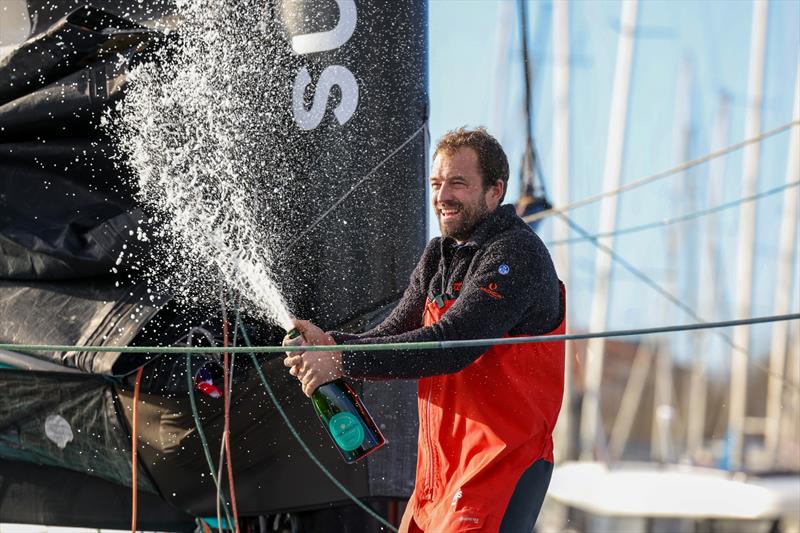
(475,78)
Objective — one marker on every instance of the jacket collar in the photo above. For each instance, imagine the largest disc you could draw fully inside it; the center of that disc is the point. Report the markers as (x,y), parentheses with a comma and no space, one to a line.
(501,219)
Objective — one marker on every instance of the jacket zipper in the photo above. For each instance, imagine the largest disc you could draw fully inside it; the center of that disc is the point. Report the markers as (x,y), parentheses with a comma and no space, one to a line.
(428,439)
(429,443)
(446,274)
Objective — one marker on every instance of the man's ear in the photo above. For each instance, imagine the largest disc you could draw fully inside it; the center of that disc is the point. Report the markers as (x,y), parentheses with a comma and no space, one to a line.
(496,191)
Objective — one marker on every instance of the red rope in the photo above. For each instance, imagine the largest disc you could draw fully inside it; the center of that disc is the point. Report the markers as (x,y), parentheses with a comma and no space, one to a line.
(134,445)
(227,432)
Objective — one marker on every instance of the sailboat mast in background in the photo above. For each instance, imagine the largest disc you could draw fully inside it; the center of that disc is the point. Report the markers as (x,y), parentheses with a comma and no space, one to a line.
(590,411)
(746,239)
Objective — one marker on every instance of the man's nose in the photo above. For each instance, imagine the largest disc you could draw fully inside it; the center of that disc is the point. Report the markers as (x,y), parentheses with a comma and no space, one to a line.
(444,193)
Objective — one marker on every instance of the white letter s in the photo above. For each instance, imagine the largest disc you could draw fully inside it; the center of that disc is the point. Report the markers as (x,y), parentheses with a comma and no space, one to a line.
(333,75)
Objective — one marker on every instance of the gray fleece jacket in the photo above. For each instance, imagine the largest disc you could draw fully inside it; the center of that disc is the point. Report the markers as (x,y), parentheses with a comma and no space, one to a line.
(503,282)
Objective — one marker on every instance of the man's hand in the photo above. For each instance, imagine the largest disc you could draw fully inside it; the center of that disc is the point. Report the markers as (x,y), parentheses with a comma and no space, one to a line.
(313,368)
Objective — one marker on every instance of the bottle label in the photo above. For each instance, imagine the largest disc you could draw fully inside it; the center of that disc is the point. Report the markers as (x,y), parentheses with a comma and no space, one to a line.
(346,430)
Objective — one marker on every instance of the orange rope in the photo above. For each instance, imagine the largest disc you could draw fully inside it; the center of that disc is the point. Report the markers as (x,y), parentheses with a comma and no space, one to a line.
(134,431)
(227,432)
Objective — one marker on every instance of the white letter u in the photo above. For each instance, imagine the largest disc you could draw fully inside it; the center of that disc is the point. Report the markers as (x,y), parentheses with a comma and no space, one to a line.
(328,40)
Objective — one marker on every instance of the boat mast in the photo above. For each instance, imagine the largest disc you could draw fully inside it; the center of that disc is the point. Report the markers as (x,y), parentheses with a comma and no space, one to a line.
(561,197)
(631,401)
(791,426)
(783,285)
(746,238)
(661,444)
(698,383)
(590,409)
(499,87)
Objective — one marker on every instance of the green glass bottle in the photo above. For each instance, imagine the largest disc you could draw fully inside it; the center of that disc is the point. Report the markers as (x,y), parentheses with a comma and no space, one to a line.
(345,417)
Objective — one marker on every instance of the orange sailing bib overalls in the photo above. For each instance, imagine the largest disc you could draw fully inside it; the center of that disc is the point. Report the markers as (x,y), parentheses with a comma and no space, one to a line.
(480,429)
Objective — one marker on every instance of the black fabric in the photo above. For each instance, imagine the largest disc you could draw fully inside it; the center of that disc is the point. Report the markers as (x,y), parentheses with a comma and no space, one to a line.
(503,282)
(49,56)
(37,494)
(65,420)
(66,209)
(526,501)
(79,312)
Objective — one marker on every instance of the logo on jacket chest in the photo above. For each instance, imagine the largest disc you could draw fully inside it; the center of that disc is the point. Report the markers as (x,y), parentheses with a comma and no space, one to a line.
(491,290)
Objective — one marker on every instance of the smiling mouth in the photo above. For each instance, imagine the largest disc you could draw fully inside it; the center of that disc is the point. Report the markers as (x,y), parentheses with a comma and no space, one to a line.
(447,213)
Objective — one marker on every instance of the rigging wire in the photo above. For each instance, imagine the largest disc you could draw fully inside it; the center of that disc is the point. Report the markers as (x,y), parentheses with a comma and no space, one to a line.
(560,212)
(401,346)
(291,244)
(226,433)
(533,191)
(199,426)
(134,448)
(663,174)
(650,282)
(220,463)
(529,162)
(223,443)
(675,220)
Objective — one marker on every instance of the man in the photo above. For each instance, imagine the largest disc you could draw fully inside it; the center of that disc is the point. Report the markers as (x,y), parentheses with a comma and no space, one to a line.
(487,413)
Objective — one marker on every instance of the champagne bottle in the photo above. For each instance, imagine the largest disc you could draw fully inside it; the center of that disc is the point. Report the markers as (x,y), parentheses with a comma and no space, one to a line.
(345,417)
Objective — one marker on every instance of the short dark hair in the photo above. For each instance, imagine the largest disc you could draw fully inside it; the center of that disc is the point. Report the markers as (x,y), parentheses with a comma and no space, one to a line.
(492,159)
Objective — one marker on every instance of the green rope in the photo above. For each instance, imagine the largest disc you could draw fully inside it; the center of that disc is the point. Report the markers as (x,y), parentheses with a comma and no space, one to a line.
(302,443)
(431,345)
(201,433)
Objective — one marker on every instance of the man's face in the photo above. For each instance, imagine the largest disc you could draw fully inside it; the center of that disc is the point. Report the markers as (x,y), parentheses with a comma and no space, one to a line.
(458,195)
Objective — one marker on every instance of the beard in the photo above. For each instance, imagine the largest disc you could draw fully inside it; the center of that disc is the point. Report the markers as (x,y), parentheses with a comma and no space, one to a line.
(462,225)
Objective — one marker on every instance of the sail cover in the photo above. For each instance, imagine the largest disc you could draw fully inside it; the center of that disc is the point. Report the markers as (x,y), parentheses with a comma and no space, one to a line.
(67,210)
